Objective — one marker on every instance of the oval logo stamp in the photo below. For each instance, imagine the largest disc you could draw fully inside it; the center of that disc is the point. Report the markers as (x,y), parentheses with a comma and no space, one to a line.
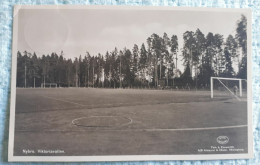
(222,139)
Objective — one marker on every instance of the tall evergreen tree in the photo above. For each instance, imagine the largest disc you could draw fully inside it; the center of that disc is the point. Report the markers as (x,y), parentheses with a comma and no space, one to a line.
(241,36)
(156,48)
(188,49)
(143,63)
(229,71)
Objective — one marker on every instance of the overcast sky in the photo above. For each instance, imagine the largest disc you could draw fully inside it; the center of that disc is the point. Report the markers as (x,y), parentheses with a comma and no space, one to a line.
(76,31)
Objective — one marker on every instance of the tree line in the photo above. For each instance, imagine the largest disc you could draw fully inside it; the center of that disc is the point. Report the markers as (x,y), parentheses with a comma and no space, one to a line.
(152,64)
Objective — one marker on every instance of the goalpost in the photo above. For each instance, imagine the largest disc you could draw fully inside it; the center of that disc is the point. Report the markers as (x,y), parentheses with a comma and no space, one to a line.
(49,85)
(232,86)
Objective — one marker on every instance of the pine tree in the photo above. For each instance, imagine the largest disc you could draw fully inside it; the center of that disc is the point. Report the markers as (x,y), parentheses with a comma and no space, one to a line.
(241,37)
(143,63)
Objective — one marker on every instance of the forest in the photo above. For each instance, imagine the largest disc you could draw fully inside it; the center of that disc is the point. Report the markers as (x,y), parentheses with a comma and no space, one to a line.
(153,64)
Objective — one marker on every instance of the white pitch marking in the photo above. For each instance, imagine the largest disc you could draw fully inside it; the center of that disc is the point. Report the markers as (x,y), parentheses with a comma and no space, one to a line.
(73,121)
(195,129)
(65,101)
(161,129)
(172,130)
(128,123)
(177,103)
(83,105)
(148,130)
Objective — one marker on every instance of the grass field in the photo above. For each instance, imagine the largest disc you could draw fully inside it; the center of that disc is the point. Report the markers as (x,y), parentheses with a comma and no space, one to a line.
(85,121)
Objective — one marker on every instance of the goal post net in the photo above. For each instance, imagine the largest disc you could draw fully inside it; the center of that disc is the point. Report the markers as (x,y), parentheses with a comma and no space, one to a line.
(49,85)
(228,87)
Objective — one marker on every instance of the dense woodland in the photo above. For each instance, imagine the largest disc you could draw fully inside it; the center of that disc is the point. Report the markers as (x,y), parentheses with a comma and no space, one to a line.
(153,64)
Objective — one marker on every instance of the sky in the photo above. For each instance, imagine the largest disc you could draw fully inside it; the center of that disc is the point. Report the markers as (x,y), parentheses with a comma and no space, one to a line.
(75,31)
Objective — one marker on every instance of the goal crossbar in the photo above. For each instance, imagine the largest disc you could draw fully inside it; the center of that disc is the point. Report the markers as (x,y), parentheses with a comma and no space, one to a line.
(224,78)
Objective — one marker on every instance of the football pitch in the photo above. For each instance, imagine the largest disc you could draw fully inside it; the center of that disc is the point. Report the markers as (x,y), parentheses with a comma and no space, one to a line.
(88,122)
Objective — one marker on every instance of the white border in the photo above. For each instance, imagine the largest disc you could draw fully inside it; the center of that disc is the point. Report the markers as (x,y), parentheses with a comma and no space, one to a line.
(12,158)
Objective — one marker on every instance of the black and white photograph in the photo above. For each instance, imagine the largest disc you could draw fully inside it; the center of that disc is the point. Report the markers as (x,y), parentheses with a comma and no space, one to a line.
(105,83)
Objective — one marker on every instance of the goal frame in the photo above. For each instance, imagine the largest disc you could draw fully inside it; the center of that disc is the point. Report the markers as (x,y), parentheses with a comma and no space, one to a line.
(225,78)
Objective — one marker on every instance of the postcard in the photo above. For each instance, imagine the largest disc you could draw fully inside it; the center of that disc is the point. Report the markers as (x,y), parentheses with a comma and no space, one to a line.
(122,83)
